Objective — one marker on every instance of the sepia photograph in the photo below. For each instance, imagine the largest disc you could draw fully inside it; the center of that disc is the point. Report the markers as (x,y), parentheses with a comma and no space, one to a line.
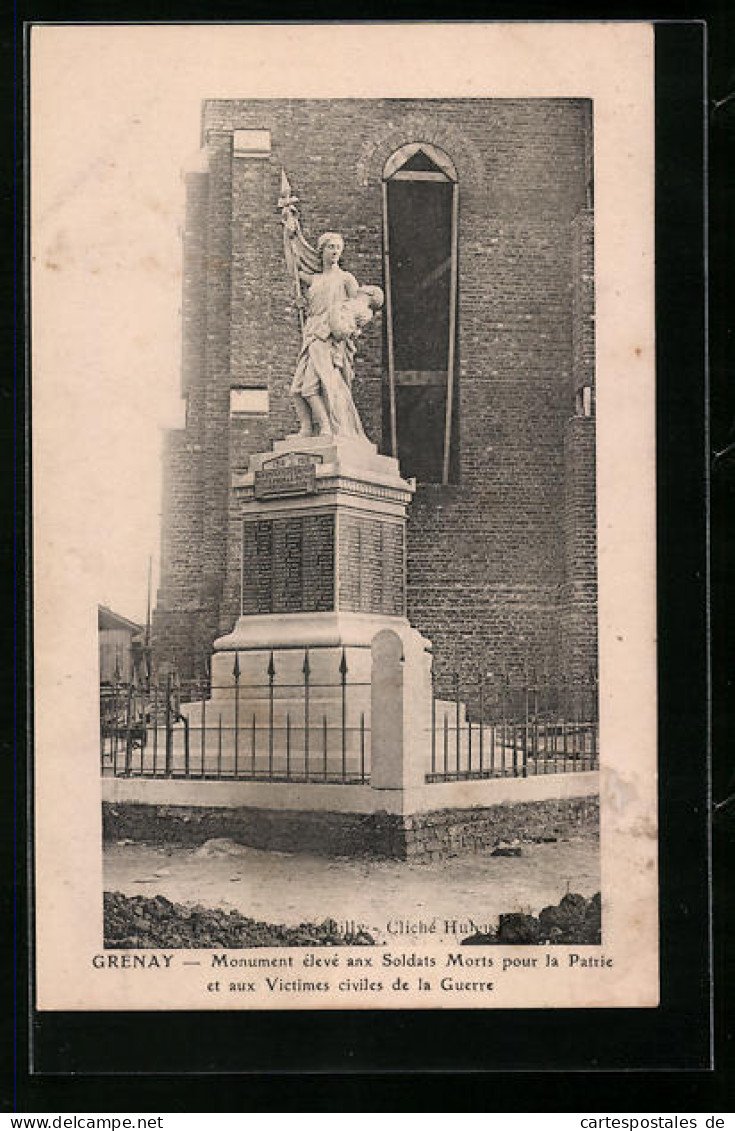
(344,517)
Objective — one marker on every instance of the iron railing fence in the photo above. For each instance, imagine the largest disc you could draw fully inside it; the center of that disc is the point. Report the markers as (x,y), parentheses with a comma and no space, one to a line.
(498,726)
(318,730)
(311,730)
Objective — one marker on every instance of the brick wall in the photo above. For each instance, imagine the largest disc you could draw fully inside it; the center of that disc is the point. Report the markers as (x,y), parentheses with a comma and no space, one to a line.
(579,594)
(583,300)
(491,559)
(193,309)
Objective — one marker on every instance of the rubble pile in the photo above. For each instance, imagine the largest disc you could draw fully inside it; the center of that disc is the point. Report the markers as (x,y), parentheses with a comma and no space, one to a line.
(134,922)
(573,921)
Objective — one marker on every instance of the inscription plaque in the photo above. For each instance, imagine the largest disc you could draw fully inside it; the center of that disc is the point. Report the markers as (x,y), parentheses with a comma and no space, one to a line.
(263,571)
(288,565)
(371,576)
(318,563)
(276,482)
(293,473)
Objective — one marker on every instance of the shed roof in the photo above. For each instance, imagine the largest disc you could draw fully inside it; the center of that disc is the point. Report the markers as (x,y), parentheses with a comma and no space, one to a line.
(109,620)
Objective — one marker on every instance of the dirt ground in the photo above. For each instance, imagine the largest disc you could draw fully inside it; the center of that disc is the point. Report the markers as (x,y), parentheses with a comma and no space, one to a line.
(384,897)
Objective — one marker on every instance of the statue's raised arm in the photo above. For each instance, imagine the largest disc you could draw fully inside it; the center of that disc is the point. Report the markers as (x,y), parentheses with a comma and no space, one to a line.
(336,310)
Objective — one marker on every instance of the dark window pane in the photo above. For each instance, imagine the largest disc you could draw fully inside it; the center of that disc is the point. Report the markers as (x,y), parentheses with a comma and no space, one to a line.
(420,240)
(420,414)
(419,215)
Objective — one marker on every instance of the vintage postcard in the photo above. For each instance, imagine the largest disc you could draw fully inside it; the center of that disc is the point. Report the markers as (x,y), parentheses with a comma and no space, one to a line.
(344,516)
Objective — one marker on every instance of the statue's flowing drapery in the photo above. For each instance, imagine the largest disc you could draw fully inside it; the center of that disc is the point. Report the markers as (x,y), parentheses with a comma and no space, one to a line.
(333,320)
(325,361)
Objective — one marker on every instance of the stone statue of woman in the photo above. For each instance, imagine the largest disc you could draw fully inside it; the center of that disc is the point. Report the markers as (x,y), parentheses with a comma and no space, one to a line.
(337,309)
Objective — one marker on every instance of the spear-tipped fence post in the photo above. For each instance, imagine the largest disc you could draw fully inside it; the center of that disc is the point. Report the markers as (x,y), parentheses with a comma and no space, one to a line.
(114,720)
(252,745)
(129,732)
(553,715)
(169,729)
(185,722)
(433,728)
(524,747)
(139,699)
(343,680)
(576,727)
(271,677)
(469,745)
(581,721)
(202,689)
(306,669)
(362,746)
(514,730)
(493,727)
(503,724)
(482,724)
(176,683)
(564,712)
(534,715)
(236,677)
(595,716)
(457,718)
(593,720)
(155,729)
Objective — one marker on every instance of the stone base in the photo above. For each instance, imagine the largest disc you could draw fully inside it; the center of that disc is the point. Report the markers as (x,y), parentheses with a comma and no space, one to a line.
(267,704)
(337,455)
(421,838)
(336,644)
(307,630)
(323,666)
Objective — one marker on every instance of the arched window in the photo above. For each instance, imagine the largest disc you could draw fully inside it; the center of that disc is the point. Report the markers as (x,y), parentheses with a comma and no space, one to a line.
(420,209)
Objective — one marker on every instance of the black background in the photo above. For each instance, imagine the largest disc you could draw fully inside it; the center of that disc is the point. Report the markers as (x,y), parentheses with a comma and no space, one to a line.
(599,1060)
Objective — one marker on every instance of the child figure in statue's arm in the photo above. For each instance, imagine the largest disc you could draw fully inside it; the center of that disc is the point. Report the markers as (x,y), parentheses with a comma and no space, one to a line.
(346,325)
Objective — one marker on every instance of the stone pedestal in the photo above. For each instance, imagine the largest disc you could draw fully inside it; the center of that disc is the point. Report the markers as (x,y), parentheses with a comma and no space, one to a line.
(323,576)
